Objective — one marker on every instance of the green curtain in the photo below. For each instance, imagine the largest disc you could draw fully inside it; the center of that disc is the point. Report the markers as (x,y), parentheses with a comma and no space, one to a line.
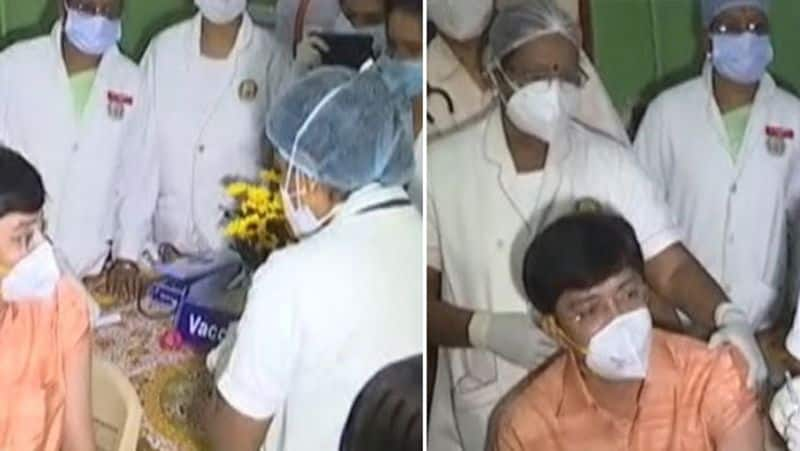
(642,47)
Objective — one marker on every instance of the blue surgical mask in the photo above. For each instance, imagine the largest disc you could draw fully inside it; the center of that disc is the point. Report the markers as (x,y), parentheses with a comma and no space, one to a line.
(743,57)
(92,34)
(403,74)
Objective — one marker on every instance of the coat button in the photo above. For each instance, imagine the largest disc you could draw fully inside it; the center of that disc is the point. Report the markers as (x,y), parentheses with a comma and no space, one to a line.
(201,148)
(734,188)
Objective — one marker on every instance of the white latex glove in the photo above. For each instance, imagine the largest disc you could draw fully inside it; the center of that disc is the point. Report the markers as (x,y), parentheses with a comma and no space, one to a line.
(784,411)
(309,52)
(793,434)
(512,336)
(733,328)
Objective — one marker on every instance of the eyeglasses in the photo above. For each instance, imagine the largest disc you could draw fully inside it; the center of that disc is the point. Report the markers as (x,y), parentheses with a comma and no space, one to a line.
(625,299)
(112,11)
(760,28)
(519,79)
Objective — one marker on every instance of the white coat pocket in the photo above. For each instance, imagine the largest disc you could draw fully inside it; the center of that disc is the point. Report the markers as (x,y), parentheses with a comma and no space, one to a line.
(475,395)
(473,410)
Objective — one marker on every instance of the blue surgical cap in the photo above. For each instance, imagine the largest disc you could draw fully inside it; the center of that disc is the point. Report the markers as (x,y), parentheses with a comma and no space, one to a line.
(713,8)
(345,129)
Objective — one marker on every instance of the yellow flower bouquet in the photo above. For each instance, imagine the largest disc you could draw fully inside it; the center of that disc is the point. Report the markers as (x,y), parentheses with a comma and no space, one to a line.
(257,225)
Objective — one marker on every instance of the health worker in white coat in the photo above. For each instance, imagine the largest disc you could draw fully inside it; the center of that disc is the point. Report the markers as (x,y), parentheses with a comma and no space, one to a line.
(212,78)
(459,90)
(75,107)
(367,17)
(327,313)
(720,146)
(493,186)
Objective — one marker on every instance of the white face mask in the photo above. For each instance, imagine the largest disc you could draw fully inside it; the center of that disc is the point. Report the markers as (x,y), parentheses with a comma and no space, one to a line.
(301,219)
(221,11)
(543,108)
(461,20)
(621,350)
(377,32)
(34,278)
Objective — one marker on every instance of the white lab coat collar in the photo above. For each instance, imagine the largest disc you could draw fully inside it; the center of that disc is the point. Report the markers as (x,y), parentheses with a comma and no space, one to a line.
(766,91)
(56,34)
(243,39)
(369,196)
(446,64)
(496,150)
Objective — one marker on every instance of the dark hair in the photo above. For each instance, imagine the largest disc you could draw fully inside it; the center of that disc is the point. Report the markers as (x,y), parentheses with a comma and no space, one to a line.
(410,6)
(21,186)
(577,252)
(387,414)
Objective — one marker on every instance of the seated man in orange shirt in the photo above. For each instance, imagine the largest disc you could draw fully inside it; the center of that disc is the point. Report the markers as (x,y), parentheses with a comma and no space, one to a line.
(620,385)
(45,339)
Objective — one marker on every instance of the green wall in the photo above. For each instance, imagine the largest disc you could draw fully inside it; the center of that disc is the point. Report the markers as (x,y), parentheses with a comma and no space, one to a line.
(643,46)
(141,19)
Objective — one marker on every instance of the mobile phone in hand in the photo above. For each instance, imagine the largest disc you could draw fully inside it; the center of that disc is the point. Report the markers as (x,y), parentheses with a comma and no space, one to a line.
(346,49)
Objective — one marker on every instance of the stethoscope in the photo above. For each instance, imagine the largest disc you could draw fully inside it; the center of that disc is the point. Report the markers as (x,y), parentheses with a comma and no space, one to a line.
(448,100)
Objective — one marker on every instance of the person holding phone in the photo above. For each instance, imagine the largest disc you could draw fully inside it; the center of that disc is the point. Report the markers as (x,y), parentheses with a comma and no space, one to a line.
(358,21)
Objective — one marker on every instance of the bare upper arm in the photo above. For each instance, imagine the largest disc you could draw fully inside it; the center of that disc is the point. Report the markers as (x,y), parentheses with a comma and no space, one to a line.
(229,429)
(78,430)
(434,286)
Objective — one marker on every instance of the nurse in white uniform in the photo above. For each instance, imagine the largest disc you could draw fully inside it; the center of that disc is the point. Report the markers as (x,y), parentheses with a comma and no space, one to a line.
(294,16)
(355,17)
(75,107)
(213,78)
(459,91)
(493,186)
(720,146)
(326,314)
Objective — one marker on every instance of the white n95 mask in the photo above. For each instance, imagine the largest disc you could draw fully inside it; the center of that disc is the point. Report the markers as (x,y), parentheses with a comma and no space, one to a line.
(34,278)
(461,20)
(221,11)
(301,219)
(91,34)
(621,350)
(543,108)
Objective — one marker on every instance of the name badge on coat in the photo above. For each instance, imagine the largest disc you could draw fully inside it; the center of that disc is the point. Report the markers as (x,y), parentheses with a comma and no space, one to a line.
(248,90)
(776,139)
(117,103)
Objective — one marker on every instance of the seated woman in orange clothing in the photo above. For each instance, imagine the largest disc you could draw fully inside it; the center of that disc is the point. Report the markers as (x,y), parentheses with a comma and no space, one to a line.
(620,385)
(45,350)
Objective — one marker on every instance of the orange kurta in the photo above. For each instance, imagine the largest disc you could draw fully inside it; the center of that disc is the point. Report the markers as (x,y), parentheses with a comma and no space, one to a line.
(691,398)
(36,339)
